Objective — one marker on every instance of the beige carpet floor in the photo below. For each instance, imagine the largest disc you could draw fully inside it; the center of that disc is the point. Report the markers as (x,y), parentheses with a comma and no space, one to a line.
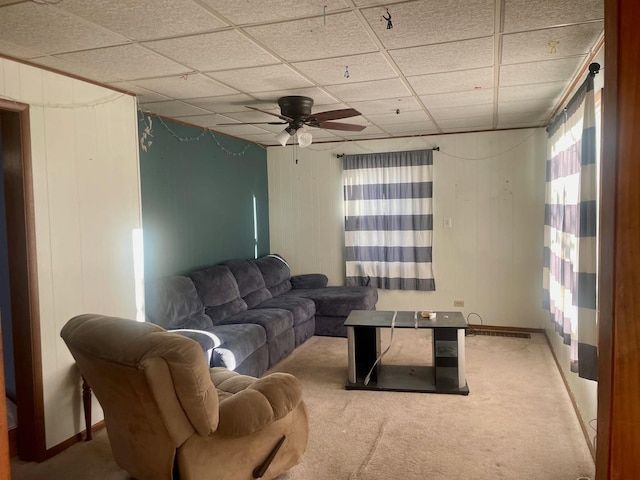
(517,423)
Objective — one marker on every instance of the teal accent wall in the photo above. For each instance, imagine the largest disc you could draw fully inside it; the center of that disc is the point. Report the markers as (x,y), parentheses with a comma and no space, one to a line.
(197,198)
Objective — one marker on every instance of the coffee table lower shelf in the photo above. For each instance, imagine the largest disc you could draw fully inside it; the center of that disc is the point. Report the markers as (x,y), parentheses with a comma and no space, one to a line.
(406,378)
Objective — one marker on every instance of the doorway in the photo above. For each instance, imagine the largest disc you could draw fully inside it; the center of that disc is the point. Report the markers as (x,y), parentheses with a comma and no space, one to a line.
(22,278)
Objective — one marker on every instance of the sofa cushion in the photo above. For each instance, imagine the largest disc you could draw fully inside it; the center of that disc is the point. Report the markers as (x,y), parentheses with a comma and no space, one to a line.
(238,342)
(276,274)
(218,290)
(273,320)
(339,301)
(173,302)
(302,308)
(250,282)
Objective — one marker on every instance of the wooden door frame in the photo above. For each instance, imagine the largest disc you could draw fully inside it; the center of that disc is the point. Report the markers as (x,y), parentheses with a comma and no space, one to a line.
(23,279)
(619,282)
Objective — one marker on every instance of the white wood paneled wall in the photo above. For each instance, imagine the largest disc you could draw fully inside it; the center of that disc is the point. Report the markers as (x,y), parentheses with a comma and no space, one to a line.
(490,185)
(87,204)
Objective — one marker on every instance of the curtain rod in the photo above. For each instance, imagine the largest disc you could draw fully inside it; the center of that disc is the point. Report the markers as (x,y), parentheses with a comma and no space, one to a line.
(437,149)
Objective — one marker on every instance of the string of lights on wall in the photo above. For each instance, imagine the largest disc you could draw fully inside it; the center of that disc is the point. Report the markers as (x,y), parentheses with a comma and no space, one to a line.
(147,134)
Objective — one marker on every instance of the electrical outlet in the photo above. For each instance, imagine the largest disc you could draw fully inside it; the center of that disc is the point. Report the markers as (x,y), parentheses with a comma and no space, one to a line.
(458,303)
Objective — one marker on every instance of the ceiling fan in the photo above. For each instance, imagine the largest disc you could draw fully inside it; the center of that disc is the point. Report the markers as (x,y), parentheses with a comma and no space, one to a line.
(296,112)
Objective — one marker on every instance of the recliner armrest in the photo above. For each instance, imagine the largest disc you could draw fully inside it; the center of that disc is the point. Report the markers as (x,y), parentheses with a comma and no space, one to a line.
(254,403)
(309,280)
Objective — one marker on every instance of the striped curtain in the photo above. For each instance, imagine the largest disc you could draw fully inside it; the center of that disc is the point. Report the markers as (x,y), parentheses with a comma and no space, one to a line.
(389,220)
(570,232)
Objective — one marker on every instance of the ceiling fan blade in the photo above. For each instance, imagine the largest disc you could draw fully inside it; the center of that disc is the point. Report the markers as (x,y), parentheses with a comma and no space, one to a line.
(338,126)
(335,114)
(281,117)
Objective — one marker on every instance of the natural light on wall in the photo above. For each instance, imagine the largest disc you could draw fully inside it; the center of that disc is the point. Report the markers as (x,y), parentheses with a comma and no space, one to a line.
(255,228)
(138,272)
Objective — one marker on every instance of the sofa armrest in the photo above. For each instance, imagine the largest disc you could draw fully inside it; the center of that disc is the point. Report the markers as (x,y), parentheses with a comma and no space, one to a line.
(206,340)
(254,403)
(309,280)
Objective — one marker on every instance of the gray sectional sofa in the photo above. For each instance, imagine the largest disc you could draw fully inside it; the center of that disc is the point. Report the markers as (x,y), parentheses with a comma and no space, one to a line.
(250,314)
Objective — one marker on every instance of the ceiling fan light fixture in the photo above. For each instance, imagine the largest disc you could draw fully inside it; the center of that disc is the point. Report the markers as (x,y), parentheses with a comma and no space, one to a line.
(304,137)
(283,137)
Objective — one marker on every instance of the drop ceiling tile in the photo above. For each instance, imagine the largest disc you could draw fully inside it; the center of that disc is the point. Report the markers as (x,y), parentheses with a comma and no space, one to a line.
(63,65)
(143,95)
(538,105)
(457,99)
(445,57)
(320,97)
(207,121)
(247,12)
(420,22)
(524,117)
(224,103)
(125,62)
(214,51)
(173,109)
(49,30)
(145,19)
(311,39)
(355,92)
(240,129)
(527,15)
(483,122)
(370,132)
(507,125)
(251,116)
(411,128)
(540,72)
(550,43)
(386,105)
(391,118)
(550,90)
(17,51)
(261,79)
(185,86)
(454,113)
(480,78)
(353,68)
(479,128)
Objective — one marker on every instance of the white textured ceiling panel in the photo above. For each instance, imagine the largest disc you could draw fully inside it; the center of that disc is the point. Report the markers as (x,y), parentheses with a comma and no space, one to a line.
(125,62)
(144,19)
(419,22)
(452,113)
(49,30)
(261,79)
(185,86)
(312,38)
(445,57)
(356,92)
(350,69)
(214,51)
(206,121)
(528,15)
(458,99)
(386,105)
(173,109)
(550,43)
(243,12)
(222,104)
(443,60)
(539,72)
(452,81)
(549,90)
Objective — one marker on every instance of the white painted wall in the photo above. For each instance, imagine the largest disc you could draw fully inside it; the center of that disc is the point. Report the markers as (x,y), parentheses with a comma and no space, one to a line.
(87,203)
(491,186)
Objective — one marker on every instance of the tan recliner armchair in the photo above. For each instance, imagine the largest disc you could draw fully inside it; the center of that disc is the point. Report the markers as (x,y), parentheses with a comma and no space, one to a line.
(168,414)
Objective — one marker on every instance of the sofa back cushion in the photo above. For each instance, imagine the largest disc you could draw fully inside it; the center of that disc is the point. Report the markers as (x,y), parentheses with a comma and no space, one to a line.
(250,282)
(173,302)
(276,274)
(218,290)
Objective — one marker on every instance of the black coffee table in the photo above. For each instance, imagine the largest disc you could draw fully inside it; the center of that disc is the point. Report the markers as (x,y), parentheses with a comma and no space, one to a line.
(446,374)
